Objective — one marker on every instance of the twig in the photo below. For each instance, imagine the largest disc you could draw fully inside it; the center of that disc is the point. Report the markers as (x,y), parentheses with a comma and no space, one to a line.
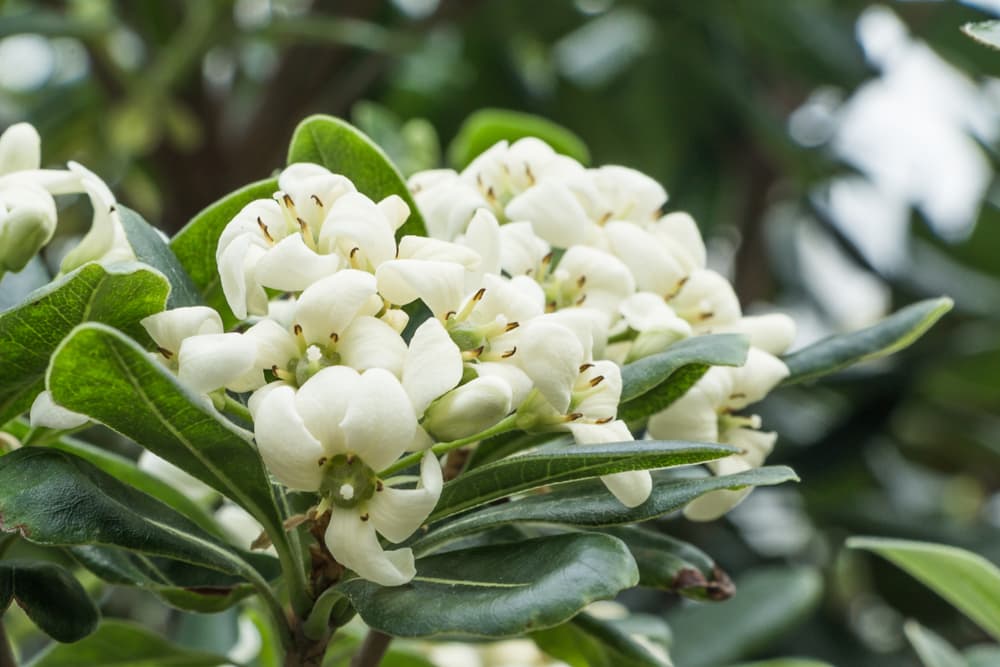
(372,649)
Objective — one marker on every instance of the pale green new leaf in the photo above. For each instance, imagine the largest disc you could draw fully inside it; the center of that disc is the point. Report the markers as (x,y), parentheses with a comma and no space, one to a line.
(984,32)
(966,580)
(933,650)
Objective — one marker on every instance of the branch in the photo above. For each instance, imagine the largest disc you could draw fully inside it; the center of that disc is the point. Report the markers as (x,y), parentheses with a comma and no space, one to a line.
(372,650)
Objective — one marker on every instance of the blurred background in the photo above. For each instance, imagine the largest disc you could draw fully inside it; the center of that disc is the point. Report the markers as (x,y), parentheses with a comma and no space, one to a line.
(840,157)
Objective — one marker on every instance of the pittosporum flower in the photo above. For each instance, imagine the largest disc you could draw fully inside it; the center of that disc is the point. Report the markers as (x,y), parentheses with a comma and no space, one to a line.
(707,413)
(333,435)
(106,241)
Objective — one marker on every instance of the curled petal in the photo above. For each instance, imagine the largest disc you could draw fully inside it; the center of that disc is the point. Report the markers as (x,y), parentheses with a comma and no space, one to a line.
(753,380)
(398,513)
(715,504)
(521,250)
(515,378)
(707,301)
(421,247)
(331,304)
(551,355)
(433,365)
(440,285)
(259,212)
(322,403)
(313,189)
(483,237)
(48,414)
(692,417)
(371,343)
(469,409)
(354,220)
(553,211)
(686,244)
(631,488)
(773,333)
(292,266)
(289,450)
(237,273)
(353,542)
(379,423)
(211,361)
(602,399)
(652,265)
(169,328)
(395,210)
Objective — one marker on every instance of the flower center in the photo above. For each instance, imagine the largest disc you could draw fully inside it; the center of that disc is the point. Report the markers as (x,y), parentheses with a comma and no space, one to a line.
(347,481)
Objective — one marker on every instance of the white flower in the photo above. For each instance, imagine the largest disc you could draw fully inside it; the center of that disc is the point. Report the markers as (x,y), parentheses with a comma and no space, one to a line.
(106,241)
(656,324)
(167,472)
(469,409)
(773,332)
(190,342)
(705,414)
(48,414)
(333,435)
(27,222)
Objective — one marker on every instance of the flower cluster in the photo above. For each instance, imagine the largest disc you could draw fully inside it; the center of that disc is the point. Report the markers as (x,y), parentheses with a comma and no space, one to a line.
(539,279)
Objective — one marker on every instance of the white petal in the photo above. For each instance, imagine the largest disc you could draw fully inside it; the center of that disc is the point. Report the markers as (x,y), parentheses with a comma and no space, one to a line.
(553,211)
(440,285)
(323,400)
(630,194)
(169,328)
(433,365)
(179,479)
(631,488)
(20,148)
(237,268)
(249,220)
(395,210)
(306,183)
(646,311)
(330,305)
(289,450)
(756,445)
(707,300)
(398,513)
(47,414)
(651,264)
(715,504)
(470,409)
(692,417)
(603,400)
(518,381)
(608,280)
(517,300)
(772,333)
(354,544)
(211,361)
(599,434)
(354,220)
(379,423)
(551,356)
(292,266)
(521,250)
(106,240)
(421,247)
(483,237)
(371,343)
(276,346)
(751,382)
(685,239)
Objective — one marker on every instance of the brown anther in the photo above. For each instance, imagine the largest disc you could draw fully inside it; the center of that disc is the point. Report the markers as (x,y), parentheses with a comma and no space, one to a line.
(547,259)
(112,208)
(450,314)
(286,198)
(354,251)
(583,297)
(707,315)
(550,307)
(490,194)
(379,485)
(364,517)
(479,180)
(511,326)
(572,417)
(581,281)
(319,202)
(604,420)
(509,353)
(165,352)
(350,459)
(605,218)
(737,395)
(303,225)
(478,351)
(584,367)
(478,296)
(263,228)
(527,172)
(505,168)
(262,542)
(297,329)
(322,462)
(597,380)
(334,337)
(295,521)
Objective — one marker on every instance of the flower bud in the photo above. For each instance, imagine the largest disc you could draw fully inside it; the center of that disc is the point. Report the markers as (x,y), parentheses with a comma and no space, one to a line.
(20,148)
(27,221)
(469,409)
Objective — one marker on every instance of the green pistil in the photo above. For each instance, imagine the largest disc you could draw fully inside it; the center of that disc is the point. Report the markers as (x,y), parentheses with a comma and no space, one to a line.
(347,481)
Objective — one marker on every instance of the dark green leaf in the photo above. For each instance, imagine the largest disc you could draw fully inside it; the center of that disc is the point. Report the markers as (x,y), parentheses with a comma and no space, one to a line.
(966,580)
(118,296)
(103,374)
(589,503)
(892,334)
(486,127)
(674,565)
(57,499)
(587,641)
(498,591)
(984,32)
(151,248)
(652,383)
(343,149)
(506,444)
(123,644)
(50,596)
(768,603)
(195,244)
(552,466)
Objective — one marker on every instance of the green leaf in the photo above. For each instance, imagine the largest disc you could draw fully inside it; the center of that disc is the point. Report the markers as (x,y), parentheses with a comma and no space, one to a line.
(50,596)
(151,248)
(966,580)
(552,466)
(57,499)
(932,649)
(119,296)
(785,662)
(674,565)
(103,374)
(891,335)
(413,145)
(195,244)
(983,655)
(589,503)
(586,641)
(343,149)
(486,127)
(498,591)
(124,644)
(984,32)
(652,383)
(768,603)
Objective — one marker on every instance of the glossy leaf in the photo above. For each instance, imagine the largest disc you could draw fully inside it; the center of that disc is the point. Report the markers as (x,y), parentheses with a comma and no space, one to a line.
(652,383)
(486,127)
(770,602)
(195,244)
(674,565)
(151,248)
(118,296)
(552,466)
(50,596)
(343,149)
(968,581)
(587,641)
(57,499)
(589,503)
(123,644)
(101,373)
(507,444)
(984,32)
(891,335)
(498,591)
(932,649)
